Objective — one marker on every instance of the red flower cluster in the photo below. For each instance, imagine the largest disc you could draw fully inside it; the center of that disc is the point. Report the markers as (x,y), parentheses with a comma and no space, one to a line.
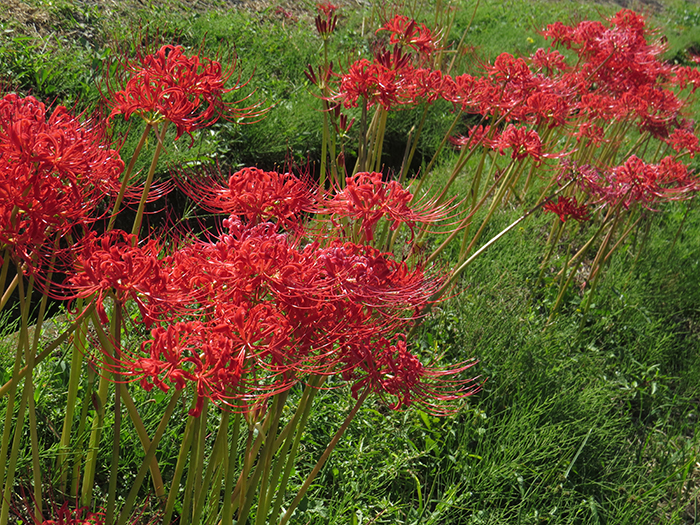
(252,312)
(326,20)
(568,207)
(170,85)
(408,32)
(635,181)
(367,198)
(54,170)
(252,193)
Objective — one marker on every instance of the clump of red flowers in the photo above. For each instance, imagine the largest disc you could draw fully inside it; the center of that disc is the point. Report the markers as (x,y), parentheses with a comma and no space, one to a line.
(170,85)
(568,208)
(54,170)
(276,295)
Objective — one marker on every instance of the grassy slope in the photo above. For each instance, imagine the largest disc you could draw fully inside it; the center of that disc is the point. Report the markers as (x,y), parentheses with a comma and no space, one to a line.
(596,429)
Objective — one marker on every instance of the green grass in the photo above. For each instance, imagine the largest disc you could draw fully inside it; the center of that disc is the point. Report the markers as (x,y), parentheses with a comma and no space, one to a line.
(591,428)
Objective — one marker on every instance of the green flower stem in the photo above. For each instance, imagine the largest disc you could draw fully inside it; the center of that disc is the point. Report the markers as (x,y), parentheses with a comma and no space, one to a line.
(622,238)
(564,285)
(14,453)
(552,241)
(427,172)
(460,46)
(115,334)
(215,459)
(31,357)
(149,178)
(16,377)
(99,401)
(268,452)
(262,468)
(322,460)
(76,364)
(251,450)
(3,276)
(8,292)
(463,224)
(231,464)
(179,468)
(595,266)
(324,146)
(150,454)
(497,199)
(379,142)
(292,439)
(458,271)
(198,464)
(22,348)
(127,175)
(362,147)
(199,432)
(108,345)
(372,137)
(78,446)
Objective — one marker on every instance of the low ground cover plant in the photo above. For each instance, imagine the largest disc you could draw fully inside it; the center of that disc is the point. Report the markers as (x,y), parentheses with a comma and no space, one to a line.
(308,283)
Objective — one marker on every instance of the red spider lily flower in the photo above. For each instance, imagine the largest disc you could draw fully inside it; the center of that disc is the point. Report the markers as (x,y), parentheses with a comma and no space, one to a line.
(388,369)
(326,20)
(684,140)
(550,108)
(367,198)
(254,194)
(408,32)
(684,76)
(365,274)
(385,81)
(522,141)
(54,170)
(477,135)
(508,69)
(429,85)
(595,134)
(113,263)
(187,91)
(549,61)
(638,182)
(467,91)
(568,207)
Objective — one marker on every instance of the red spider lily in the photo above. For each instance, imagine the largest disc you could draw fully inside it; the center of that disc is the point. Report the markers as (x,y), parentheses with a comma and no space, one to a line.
(549,108)
(387,368)
(638,182)
(568,207)
(253,194)
(549,61)
(429,85)
(684,140)
(522,141)
(408,32)
(277,310)
(79,516)
(365,274)
(113,263)
(53,172)
(477,135)
(385,81)
(187,91)
(326,20)
(367,198)
(467,91)
(684,76)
